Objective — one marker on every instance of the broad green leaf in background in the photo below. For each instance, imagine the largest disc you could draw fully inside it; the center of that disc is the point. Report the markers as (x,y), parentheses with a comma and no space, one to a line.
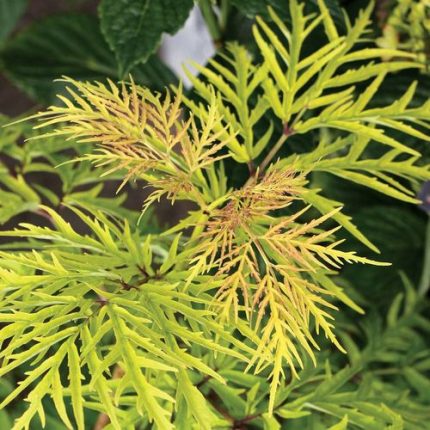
(399,234)
(133,28)
(10,12)
(251,8)
(69,45)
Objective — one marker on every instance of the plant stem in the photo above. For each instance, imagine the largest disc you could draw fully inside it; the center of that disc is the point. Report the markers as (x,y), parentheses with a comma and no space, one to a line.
(211,21)
(268,157)
(225,9)
(424,284)
(273,152)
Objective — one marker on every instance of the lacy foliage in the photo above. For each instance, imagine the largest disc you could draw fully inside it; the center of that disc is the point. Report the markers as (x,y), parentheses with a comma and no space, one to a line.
(250,279)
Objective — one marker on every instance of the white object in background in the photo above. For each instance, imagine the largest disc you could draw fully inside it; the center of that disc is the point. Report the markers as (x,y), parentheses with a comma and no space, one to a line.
(191,42)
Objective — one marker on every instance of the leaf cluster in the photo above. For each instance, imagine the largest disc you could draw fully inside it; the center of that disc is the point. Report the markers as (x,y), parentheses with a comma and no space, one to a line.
(225,319)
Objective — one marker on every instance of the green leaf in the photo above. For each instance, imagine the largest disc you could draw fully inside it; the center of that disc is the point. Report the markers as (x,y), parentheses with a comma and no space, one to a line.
(198,407)
(101,384)
(6,387)
(20,197)
(9,135)
(91,199)
(69,45)
(75,377)
(251,8)
(398,232)
(230,397)
(147,393)
(58,398)
(237,85)
(270,422)
(291,414)
(133,28)
(325,205)
(10,12)
(171,258)
(419,382)
(5,420)
(341,425)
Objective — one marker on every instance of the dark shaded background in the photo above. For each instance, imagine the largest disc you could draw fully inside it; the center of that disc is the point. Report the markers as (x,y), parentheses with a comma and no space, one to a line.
(13,101)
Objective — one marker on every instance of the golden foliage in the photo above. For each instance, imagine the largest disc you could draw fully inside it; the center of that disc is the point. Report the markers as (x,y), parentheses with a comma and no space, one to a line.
(270,257)
(141,133)
(272,267)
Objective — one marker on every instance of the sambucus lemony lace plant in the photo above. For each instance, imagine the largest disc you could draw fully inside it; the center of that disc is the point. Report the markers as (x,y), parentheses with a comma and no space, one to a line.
(246,283)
